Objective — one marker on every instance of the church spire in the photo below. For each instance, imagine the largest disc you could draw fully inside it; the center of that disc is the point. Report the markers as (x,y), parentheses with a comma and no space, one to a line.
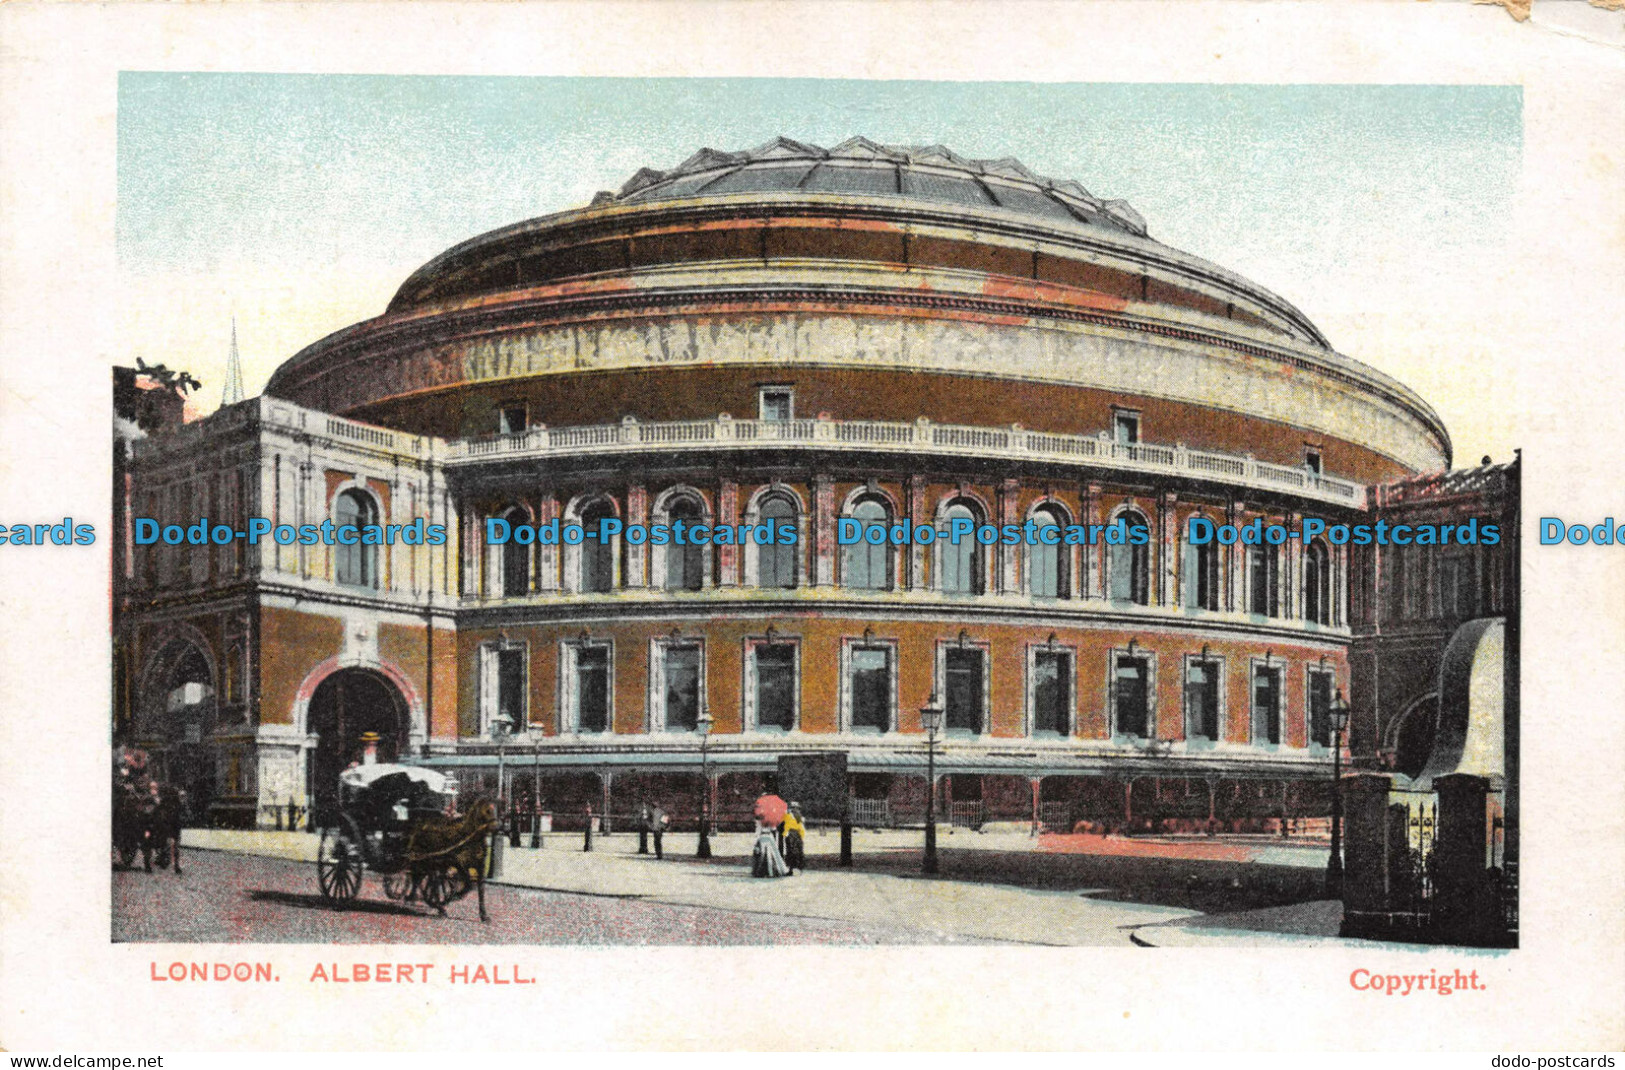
(232,392)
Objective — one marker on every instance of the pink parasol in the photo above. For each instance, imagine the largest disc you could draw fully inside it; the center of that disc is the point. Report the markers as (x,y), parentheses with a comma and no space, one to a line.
(770,809)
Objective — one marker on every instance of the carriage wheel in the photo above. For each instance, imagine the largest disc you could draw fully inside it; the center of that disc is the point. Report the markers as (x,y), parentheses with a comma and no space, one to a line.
(435,887)
(398,885)
(338,865)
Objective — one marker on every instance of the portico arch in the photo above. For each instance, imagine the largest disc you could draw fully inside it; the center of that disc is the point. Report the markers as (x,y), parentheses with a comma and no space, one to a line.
(346,705)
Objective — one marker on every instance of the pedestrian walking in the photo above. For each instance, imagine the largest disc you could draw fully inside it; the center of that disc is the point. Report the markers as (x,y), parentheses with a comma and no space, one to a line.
(657,828)
(586,844)
(766,861)
(644,817)
(795,838)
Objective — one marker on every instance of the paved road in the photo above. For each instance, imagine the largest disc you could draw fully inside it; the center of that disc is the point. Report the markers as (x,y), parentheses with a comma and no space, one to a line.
(226,897)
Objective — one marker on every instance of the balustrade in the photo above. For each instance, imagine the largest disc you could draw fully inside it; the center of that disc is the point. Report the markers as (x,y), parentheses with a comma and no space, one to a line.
(726,432)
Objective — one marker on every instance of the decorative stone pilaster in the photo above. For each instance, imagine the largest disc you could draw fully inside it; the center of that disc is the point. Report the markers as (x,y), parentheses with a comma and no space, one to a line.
(306,512)
(1009,500)
(468,527)
(915,580)
(1167,551)
(1340,586)
(728,559)
(1292,568)
(1093,567)
(823,530)
(635,569)
(1234,558)
(547,510)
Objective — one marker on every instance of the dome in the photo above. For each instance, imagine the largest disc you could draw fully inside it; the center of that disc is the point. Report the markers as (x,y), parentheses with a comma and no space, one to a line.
(788,202)
(860,167)
(913,269)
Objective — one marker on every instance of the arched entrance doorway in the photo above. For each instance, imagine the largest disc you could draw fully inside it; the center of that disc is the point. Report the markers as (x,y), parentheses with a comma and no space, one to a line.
(346,705)
(178,717)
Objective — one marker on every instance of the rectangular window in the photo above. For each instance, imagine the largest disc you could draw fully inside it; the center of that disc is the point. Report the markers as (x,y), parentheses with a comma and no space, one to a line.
(233,674)
(1311,460)
(871,687)
(1262,568)
(592,688)
(777,403)
(1457,591)
(506,689)
(512,418)
(1266,704)
(1052,692)
(1413,583)
(682,688)
(775,685)
(1202,699)
(1202,576)
(1131,696)
(963,671)
(1126,427)
(1320,707)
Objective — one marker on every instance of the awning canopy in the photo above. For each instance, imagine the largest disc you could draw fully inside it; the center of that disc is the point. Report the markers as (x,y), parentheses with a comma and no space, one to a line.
(1469,734)
(904,761)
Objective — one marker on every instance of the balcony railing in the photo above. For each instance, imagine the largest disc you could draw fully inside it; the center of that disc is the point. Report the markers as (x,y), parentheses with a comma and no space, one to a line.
(873,435)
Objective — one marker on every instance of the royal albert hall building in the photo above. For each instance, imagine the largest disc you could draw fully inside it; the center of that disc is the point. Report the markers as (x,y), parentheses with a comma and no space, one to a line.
(787,335)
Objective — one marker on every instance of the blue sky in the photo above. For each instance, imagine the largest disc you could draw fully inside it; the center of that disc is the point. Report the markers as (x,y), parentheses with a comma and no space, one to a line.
(299,202)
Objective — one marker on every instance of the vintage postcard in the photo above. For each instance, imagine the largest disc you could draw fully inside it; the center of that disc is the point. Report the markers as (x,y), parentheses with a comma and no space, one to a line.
(949,516)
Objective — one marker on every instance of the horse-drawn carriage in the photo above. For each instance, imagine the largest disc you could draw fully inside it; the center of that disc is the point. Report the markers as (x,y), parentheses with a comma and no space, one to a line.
(395,820)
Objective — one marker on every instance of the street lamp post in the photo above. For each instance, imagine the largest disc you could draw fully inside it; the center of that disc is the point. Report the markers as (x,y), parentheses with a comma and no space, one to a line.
(1339,714)
(499,731)
(702,725)
(536,796)
(931,720)
(501,725)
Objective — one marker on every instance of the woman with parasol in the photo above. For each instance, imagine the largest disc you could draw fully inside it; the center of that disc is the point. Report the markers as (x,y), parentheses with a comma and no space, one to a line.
(766,861)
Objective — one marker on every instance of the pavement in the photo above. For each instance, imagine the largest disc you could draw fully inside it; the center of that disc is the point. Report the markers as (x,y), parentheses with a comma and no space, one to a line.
(227,897)
(1002,886)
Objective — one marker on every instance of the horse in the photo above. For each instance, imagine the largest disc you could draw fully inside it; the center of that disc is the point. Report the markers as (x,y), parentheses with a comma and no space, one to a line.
(163,826)
(440,846)
(129,824)
(147,817)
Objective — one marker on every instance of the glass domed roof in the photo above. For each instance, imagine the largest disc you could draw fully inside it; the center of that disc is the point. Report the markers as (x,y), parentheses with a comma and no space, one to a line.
(860,167)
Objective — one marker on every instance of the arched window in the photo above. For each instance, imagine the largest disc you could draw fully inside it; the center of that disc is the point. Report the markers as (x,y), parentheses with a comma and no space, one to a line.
(776,561)
(1129,562)
(597,555)
(1317,585)
(1047,574)
(355,565)
(1201,575)
(868,565)
(1262,573)
(961,562)
(685,564)
(515,557)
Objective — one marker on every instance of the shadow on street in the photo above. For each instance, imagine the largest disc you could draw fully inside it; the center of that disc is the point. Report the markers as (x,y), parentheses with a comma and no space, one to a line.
(359,905)
(1206,885)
